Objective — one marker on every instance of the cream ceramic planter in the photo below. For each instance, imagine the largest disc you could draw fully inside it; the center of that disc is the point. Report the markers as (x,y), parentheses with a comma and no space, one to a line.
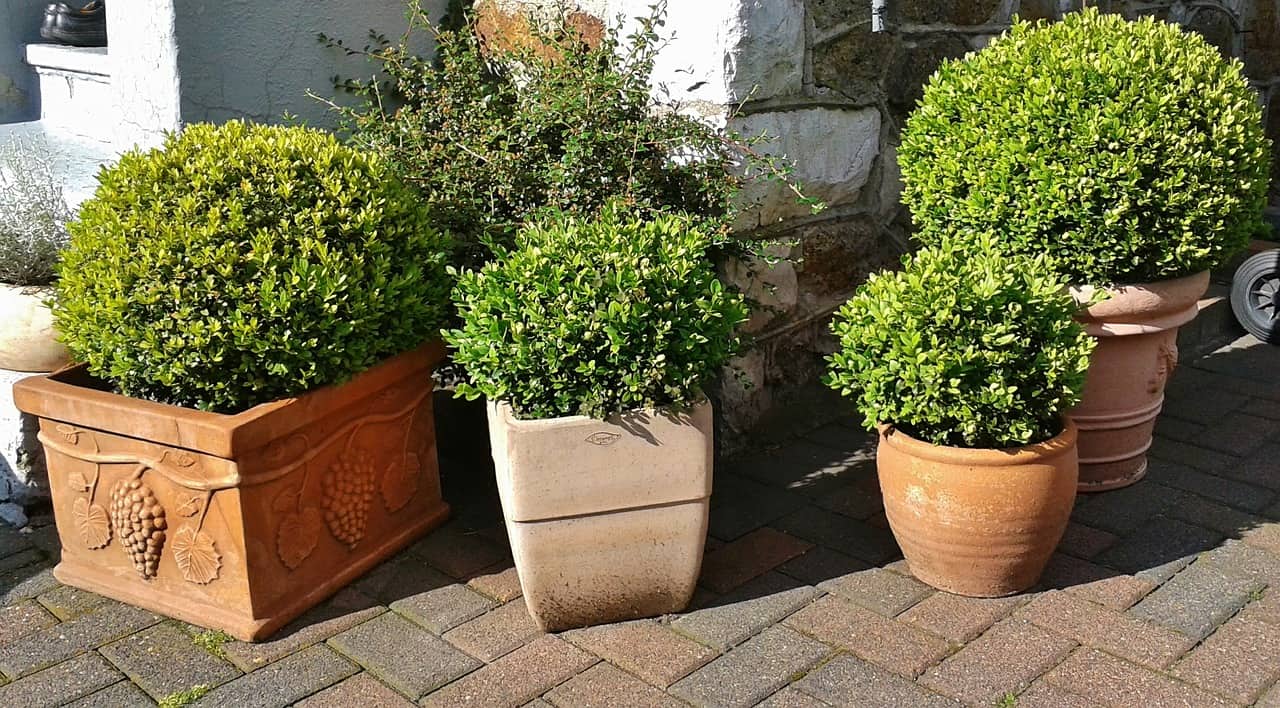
(27,338)
(607,519)
(1137,333)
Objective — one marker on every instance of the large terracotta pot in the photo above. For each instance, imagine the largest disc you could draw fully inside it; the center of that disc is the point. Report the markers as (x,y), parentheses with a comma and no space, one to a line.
(238,522)
(981,523)
(607,519)
(27,338)
(1137,333)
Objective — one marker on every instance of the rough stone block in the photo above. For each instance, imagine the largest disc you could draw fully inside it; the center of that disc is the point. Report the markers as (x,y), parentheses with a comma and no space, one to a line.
(849,681)
(61,683)
(880,590)
(834,151)
(442,609)
(1110,681)
(501,582)
(23,477)
(856,538)
(495,633)
(1227,491)
(283,683)
(753,671)
(1159,549)
(646,648)
(118,695)
(407,657)
(750,556)
(163,660)
(57,643)
(740,506)
(731,619)
(359,690)
(339,614)
(516,678)
(1239,660)
(68,603)
(1004,660)
(821,564)
(22,619)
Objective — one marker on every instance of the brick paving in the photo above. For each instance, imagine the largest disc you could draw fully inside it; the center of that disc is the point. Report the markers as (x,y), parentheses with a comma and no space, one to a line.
(1166,593)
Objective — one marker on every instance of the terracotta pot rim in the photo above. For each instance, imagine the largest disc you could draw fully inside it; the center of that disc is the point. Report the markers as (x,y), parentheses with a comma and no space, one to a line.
(1161,304)
(504,409)
(1061,444)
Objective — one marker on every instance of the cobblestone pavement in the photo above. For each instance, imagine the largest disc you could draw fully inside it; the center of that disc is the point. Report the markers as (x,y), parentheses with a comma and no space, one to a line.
(1163,594)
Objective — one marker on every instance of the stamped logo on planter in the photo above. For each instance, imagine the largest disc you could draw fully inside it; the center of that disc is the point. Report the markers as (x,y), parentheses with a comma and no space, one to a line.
(603,439)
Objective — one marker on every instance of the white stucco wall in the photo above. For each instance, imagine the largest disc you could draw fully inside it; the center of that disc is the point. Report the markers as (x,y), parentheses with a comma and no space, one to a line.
(255,59)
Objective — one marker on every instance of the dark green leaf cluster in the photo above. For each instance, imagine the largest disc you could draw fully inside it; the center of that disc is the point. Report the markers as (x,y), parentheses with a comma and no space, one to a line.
(1129,151)
(492,134)
(239,264)
(595,316)
(965,347)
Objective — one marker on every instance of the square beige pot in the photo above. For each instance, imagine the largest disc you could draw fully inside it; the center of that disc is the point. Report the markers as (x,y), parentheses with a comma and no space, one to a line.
(607,519)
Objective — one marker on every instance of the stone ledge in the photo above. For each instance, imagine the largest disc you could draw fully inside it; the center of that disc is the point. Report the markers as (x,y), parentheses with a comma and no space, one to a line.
(93,61)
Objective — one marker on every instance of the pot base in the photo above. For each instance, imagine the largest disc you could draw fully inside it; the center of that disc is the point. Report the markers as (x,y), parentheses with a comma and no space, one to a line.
(104,581)
(1106,477)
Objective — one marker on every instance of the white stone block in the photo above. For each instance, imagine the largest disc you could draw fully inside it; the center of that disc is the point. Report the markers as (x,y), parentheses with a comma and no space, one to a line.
(23,478)
(831,149)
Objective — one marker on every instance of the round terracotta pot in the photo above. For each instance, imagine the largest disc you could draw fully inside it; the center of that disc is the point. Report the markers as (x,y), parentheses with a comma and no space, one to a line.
(1137,333)
(980,523)
(27,339)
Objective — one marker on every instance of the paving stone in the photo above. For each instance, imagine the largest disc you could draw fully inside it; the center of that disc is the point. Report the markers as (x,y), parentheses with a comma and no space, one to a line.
(1238,434)
(1238,557)
(1123,511)
(1264,609)
(1085,541)
(66,602)
(789,697)
(1046,695)
(1262,408)
(849,681)
(283,683)
(516,678)
(13,541)
(22,619)
(1198,599)
(1115,682)
(25,583)
(1230,492)
(500,582)
(1094,583)
(1201,458)
(1265,536)
(749,557)
(1271,699)
(1175,428)
(849,536)
(118,695)
(806,468)
(880,590)
(604,686)
(1259,469)
(57,643)
(956,617)
(740,505)
(162,660)
(646,648)
(1006,659)
(747,610)
(407,657)
(1239,660)
(495,633)
(313,627)
(360,690)
(860,499)
(1098,627)
(1160,548)
(821,564)
(22,559)
(403,576)
(442,609)
(1205,404)
(458,553)
(891,645)
(60,684)
(1199,511)
(750,673)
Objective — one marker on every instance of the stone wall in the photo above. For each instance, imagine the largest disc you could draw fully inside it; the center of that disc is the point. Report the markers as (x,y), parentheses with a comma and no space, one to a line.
(834,94)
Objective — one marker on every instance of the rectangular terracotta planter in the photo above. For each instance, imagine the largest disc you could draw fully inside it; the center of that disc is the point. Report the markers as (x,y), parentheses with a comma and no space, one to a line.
(238,522)
(607,519)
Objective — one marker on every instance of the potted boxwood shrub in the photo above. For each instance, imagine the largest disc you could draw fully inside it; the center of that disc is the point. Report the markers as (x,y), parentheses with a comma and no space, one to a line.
(966,362)
(592,340)
(33,229)
(1130,151)
(251,428)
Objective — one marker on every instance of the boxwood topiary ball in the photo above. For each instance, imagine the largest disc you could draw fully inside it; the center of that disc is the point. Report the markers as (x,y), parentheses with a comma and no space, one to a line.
(238,264)
(1130,151)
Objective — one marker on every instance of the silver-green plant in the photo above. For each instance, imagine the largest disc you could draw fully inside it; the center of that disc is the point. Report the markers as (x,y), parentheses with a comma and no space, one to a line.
(33,214)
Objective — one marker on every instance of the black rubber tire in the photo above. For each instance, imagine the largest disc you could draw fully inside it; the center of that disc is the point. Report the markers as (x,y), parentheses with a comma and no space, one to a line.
(1255,296)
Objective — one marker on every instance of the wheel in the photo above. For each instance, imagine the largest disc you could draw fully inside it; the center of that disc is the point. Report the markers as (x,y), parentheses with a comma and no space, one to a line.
(1255,296)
